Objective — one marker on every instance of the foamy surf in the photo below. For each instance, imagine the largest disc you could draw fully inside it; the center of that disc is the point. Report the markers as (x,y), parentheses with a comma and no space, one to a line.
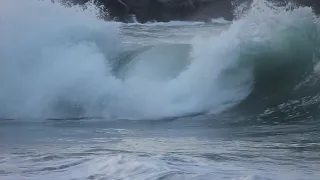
(236,100)
(65,68)
(58,81)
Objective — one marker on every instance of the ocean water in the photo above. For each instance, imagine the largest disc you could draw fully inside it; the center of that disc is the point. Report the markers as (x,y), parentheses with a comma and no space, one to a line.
(86,99)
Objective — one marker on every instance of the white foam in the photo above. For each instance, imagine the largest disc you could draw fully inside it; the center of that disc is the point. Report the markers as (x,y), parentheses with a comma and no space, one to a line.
(55,62)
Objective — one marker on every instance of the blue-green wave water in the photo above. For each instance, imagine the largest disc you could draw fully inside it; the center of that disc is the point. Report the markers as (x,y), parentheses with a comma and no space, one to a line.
(83,98)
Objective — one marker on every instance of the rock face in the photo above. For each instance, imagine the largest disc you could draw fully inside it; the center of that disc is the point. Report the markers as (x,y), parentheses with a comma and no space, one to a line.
(166,10)
(313,3)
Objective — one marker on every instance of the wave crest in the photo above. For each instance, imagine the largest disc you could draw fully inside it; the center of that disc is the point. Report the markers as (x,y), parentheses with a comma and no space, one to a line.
(67,63)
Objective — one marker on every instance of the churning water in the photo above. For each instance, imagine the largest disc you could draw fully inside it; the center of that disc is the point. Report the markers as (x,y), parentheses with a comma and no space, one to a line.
(82,98)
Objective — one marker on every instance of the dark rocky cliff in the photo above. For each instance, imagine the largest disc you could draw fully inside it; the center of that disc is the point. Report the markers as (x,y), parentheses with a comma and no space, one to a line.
(313,3)
(166,10)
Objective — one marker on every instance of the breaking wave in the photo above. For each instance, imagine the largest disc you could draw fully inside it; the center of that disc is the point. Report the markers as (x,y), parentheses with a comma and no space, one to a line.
(65,62)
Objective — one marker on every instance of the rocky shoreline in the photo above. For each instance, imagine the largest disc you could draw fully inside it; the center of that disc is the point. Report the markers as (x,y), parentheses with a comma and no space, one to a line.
(183,10)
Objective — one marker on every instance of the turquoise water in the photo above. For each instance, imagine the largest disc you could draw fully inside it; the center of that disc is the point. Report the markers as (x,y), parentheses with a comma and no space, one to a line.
(83,98)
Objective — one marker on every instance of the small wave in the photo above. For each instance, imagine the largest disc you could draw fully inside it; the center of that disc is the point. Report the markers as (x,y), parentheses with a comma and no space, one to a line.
(216,21)
(220,21)
(170,23)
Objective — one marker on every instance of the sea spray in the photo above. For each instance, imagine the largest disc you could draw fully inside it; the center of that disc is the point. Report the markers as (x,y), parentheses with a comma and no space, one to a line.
(59,63)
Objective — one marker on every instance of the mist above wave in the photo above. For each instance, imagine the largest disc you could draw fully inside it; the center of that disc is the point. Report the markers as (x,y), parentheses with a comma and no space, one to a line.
(62,64)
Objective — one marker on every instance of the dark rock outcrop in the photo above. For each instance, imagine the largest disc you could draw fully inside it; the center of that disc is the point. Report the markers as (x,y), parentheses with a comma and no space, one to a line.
(167,10)
(164,10)
(313,3)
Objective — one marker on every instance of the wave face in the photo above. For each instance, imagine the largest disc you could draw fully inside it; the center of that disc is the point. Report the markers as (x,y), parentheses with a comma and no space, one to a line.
(64,62)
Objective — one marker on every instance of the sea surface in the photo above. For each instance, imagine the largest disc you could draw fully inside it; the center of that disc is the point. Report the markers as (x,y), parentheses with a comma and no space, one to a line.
(86,99)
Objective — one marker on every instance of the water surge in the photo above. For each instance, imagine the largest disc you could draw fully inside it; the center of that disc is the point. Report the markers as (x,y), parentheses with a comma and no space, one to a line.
(65,62)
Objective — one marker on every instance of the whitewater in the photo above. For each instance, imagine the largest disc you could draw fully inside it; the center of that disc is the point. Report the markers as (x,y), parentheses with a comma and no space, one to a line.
(85,98)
